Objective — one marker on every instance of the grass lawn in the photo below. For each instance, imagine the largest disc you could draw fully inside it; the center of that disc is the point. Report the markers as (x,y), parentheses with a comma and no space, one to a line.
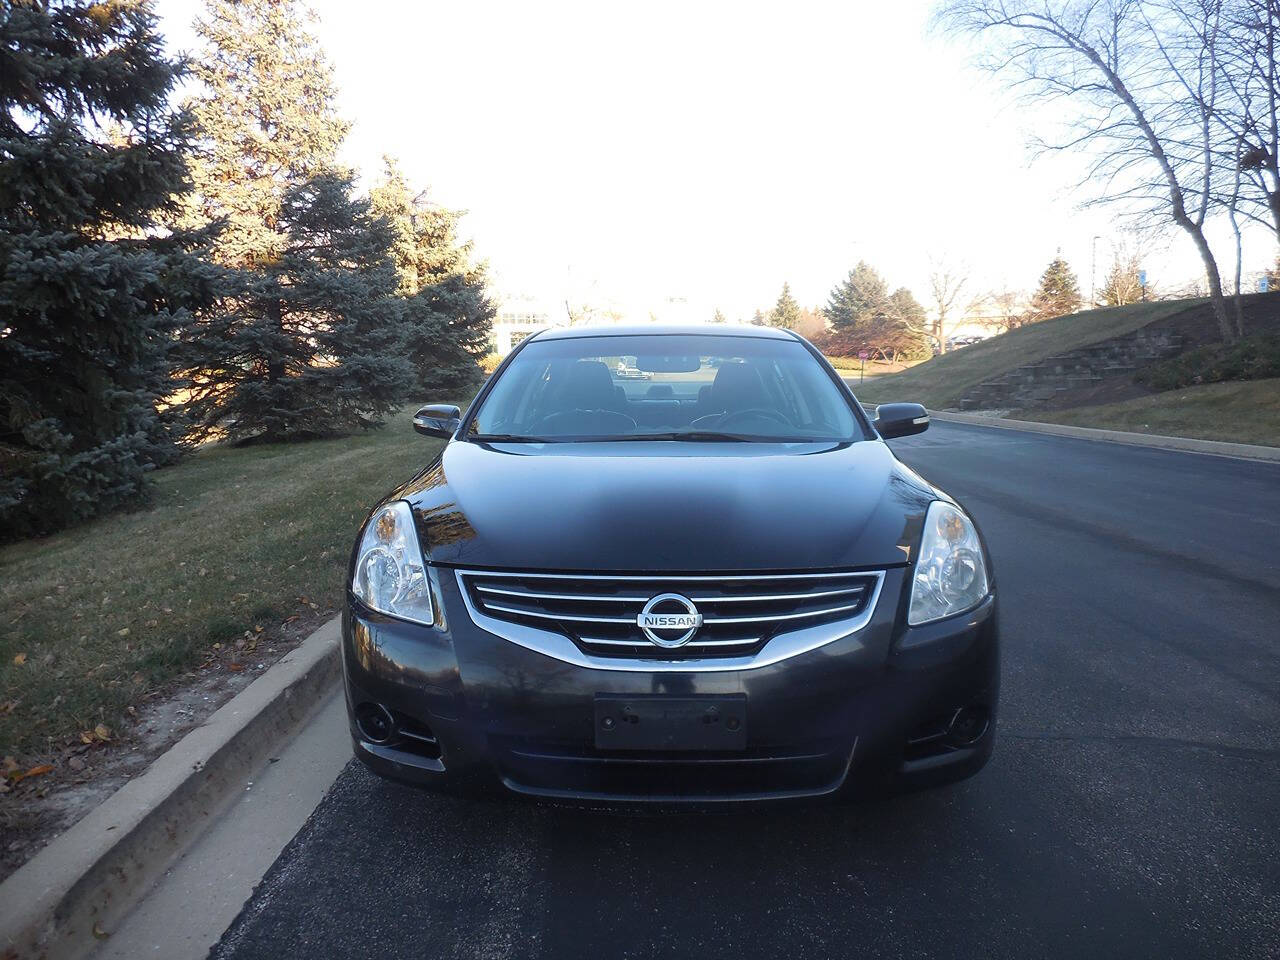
(94,618)
(849,369)
(942,381)
(1244,412)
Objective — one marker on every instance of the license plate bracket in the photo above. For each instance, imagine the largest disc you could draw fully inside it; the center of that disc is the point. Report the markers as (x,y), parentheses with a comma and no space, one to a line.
(661,722)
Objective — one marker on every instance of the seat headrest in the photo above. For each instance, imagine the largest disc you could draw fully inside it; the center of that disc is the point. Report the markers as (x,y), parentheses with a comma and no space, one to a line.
(587,386)
(738,386)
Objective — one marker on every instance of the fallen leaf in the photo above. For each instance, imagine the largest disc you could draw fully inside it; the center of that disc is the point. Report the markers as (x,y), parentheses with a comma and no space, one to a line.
(235,666)
(39,771)
(98,932)
(19,659)
(102,732)
(122,633)
(86,736)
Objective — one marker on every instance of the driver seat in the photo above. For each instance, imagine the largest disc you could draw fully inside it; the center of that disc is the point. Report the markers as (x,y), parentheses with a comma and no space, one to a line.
(737,387)
(588,386)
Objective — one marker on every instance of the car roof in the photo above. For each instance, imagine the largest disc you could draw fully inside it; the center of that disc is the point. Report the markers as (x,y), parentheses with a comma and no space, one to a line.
(665,329)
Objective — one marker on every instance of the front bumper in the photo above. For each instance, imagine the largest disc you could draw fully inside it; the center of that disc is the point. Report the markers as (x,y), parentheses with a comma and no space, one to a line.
(861,714)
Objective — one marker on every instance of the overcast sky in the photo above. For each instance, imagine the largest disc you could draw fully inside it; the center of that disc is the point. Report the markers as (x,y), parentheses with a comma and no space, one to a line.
(708,150)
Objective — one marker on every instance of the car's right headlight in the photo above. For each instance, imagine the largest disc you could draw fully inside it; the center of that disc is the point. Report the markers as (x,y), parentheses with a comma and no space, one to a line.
(390,575)
(950,573)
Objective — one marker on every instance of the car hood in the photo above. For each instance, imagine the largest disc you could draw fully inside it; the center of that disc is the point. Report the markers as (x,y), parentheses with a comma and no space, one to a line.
(668,506)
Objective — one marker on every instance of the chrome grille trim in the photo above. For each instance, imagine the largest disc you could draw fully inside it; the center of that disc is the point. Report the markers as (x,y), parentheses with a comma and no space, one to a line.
(777,617)
(588,598)
(795,639)
(693,578)
(764,618)
(542,615)
(607,598)
(646,645)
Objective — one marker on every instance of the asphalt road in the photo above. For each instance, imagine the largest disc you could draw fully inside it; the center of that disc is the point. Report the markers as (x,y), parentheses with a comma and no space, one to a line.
(1132,808)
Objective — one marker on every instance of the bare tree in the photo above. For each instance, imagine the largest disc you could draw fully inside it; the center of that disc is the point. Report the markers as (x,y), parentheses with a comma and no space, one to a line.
(1123,281)
(1249,130)
(1249,110)
(1002,308)
(1143,79)
(947,283)
(583,312)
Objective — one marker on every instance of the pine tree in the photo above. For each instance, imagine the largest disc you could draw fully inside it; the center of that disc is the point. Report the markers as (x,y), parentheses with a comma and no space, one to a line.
(719,317)
(864,315)
(757,319)
(308,340)
(863,291)
(1273,277)
(1058,294)
(311,344)
(91,156)
(449,316)
(786,312)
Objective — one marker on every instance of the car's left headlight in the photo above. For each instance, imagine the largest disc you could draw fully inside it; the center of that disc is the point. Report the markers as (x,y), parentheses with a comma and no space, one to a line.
(950,573)
(390,575)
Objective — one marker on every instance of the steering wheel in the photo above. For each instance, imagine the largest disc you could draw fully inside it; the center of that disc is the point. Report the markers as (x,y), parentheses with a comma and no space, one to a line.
(758,413)
(601,421)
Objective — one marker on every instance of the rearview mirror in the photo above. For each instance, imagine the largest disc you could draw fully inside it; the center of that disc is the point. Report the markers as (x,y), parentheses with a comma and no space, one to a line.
(900,420)
(437,420)
(668,364)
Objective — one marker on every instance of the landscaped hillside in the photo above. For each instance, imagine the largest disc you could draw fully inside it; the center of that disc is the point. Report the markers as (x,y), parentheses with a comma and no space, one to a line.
(943,380)
(1243,412)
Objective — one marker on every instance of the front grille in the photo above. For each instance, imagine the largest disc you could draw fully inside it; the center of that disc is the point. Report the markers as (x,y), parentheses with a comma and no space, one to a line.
(741,613)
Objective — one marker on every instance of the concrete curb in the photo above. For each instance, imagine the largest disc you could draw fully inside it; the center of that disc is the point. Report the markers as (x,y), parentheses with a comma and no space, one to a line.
(1219,448)
(95,872)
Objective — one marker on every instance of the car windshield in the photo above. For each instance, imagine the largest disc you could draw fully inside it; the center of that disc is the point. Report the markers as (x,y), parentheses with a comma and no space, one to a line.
(665,387)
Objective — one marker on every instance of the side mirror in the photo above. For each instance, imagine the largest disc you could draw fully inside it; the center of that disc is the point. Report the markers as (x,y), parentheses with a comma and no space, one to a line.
(437,420)
(900,420)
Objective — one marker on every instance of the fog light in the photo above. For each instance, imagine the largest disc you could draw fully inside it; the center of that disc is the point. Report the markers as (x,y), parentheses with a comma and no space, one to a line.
(375,723)
(968,726)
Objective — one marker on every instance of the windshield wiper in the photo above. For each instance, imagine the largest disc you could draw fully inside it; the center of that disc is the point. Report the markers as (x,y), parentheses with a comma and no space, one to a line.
(506,438)
(694,436)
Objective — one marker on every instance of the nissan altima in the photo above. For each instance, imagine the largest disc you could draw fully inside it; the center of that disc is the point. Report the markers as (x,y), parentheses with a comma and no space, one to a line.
(661,565)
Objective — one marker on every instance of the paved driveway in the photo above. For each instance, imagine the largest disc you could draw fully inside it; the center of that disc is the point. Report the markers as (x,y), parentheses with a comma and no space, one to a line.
(1132,808)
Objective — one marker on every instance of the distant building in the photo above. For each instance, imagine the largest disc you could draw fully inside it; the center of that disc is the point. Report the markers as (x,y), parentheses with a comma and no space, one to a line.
(521,316)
